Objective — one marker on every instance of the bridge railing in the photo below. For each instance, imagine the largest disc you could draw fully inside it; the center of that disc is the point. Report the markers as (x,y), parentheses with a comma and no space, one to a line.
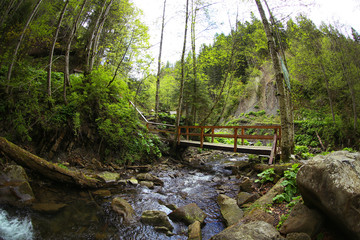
(238,132)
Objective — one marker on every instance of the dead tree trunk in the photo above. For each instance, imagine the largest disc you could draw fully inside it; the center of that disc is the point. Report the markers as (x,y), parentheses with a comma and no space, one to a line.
(45,168)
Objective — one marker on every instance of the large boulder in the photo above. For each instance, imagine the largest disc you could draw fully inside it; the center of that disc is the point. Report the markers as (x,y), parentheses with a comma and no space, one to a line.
(157,219)
(188,214)
(332,184)
(258,230)
(123,208)
(229,209)
(302,220)
(14,186)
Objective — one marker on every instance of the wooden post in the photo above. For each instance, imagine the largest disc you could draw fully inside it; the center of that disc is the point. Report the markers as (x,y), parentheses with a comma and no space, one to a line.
(273,150)
(212,132)
(179,132)
(187,133)
(235,139)
(202,137)
(242,133)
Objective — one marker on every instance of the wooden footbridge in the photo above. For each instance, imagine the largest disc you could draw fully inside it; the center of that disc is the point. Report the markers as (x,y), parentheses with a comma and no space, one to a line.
(213,137)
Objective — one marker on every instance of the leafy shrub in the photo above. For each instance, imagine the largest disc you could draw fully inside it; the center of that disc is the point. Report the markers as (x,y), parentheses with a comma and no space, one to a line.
(266,176)
(289,183)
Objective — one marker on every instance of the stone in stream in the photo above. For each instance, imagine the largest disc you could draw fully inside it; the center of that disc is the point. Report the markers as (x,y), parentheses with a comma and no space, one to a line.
(194,231)
(14,186)
(229,209)
(48,207)
(188,214)
(150,178)
(331,184)
(109,177)
(258,230)
(158,219)
(147,184)
(123,208)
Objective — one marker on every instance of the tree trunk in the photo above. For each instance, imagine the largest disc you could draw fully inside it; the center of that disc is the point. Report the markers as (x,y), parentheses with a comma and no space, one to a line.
(68,48)
(92,39)
(182,80)
(193,47)
(8,77)
(98,34)
(45,168)
(328,91)
(53,47)
(285,123)
(157,97)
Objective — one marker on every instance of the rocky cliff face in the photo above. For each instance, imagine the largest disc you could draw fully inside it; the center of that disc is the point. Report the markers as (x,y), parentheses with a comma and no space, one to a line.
(260,93)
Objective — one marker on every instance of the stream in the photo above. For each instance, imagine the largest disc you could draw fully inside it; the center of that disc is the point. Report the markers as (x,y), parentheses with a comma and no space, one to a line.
(88,216)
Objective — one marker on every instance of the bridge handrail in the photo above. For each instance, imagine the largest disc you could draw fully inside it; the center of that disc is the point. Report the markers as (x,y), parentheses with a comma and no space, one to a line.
(235,136)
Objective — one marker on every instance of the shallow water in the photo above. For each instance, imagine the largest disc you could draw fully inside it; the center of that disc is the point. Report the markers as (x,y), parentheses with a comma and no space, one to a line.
(89,217)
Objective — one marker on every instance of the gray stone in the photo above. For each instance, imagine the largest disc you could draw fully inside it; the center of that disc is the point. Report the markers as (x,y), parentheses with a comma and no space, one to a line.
(150,178)
(156,218)
(246,185)
(188,214)
(14,186)
(244,197)
(229,209)
(302,219)
(147,184)
(298,236)
(332,184)
(109,177)
(194,231)
(249,231)
(123,208)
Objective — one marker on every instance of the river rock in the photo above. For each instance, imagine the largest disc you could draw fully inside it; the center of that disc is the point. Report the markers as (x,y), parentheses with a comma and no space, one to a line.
(229,209)
(245,197)
(156,218)
(298,236)
(133,181)
(250,231)
(188,214)
(246,185)
(150,178)
(48,207)
(102,193)
(109,177)
(14,186)
(332,184)
(123,208)
(147,184)
(302,219)
(194,231)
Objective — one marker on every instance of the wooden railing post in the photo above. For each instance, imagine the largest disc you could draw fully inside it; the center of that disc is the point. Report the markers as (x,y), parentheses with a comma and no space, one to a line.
(212,134)
(187,133)
(235,139)
(179,133)
(202,137)
(242,133)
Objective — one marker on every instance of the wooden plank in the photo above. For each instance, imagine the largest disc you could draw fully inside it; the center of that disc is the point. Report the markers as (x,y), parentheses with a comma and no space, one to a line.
(259,150)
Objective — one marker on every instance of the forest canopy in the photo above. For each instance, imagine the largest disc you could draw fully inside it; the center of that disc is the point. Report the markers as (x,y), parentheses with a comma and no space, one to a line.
(68,69)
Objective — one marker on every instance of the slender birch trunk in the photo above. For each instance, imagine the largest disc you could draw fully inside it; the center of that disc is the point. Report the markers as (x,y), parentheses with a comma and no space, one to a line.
(53,47)
(13,60)
(157,97)
(182,80)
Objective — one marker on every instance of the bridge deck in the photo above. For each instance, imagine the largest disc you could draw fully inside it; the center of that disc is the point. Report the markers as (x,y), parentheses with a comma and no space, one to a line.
(259,150)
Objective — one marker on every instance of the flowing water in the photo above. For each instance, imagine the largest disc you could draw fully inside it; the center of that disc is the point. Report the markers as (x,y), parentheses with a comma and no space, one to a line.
(90,217)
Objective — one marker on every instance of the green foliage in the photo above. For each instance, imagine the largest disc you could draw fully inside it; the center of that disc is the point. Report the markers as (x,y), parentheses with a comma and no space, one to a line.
(303,152)
(289,183)
(266,176)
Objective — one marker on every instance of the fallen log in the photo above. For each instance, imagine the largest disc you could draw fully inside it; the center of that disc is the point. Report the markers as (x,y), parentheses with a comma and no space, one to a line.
(45,168)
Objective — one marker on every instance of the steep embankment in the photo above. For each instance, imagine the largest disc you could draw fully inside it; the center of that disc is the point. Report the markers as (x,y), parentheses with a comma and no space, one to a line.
(260,94)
